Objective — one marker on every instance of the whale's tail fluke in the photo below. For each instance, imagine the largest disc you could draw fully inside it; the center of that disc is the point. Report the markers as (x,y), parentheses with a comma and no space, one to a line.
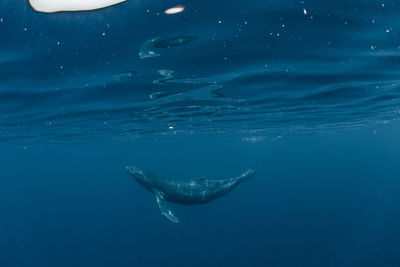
(249,173)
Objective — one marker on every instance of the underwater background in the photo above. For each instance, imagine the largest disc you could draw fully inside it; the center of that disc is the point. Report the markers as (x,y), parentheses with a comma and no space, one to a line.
(306,93)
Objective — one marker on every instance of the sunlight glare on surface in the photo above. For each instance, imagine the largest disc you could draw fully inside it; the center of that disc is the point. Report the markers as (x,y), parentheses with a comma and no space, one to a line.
(49,6)
(175,10)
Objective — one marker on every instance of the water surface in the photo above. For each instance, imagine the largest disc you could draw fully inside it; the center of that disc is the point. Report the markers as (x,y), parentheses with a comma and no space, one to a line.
(306,93)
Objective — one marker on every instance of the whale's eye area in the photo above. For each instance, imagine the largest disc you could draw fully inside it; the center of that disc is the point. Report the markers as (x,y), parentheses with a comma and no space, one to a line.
(49,6)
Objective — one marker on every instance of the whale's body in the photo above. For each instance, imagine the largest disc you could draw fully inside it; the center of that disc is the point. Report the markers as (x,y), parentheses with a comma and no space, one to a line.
(188,192)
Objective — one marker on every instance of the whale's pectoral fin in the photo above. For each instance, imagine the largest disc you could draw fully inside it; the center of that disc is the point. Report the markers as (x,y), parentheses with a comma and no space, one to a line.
(162,204)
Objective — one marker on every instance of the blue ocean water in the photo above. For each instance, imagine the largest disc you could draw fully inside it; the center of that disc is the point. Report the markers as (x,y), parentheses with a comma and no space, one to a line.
(306,93)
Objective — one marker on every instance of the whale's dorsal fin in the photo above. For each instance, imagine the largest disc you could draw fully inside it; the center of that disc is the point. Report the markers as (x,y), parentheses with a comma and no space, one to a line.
(162,204)
(202,180)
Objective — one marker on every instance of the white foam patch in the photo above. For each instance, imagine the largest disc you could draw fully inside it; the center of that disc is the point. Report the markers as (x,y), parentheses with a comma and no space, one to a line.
(49,6)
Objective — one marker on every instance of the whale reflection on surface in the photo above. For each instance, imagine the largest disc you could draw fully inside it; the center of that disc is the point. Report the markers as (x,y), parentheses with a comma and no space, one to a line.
(148,48)
(176,41)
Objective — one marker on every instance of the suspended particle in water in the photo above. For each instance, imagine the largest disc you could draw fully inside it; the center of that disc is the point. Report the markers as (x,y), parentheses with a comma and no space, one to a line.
(166,73)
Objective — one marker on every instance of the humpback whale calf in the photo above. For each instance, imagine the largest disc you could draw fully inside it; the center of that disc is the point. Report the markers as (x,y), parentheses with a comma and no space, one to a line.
(190,192)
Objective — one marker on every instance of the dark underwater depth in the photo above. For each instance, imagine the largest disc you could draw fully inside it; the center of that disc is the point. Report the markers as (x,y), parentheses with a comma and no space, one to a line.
(305,93)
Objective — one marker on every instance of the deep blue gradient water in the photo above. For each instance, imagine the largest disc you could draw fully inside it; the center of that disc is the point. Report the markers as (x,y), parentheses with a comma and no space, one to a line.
(306,93)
